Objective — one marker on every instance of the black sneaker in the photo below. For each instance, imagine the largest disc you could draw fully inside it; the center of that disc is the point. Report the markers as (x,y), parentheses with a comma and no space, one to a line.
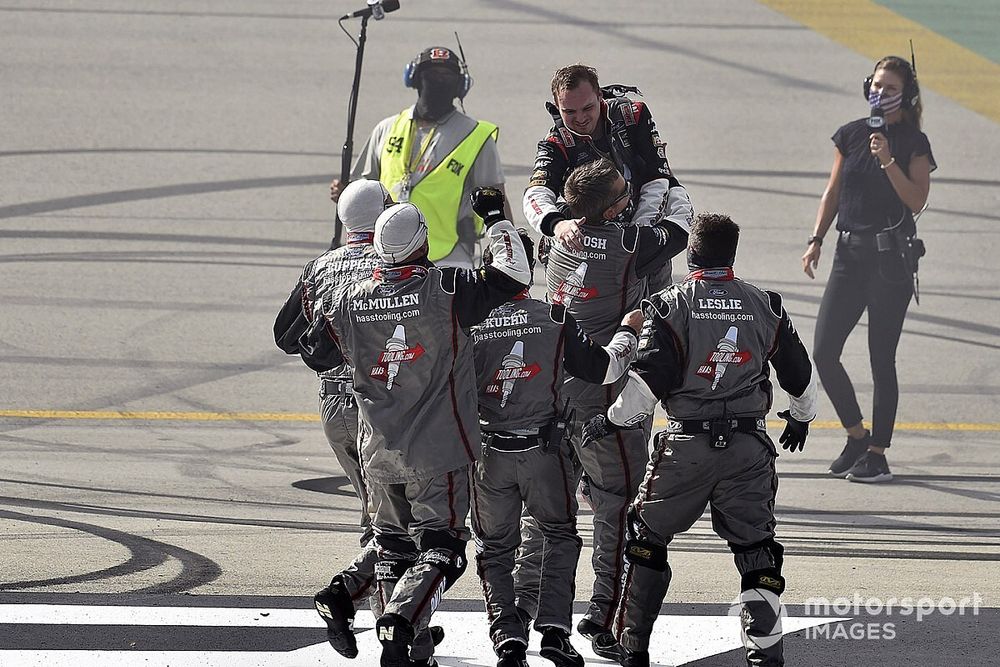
(634,658)
(870,468)
(335,608)
(437,634)
(395,634)
(602,642)
(512,654)
(557,648)
(853,450)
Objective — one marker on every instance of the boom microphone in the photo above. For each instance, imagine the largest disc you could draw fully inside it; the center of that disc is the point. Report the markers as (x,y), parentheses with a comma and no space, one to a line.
(377,9)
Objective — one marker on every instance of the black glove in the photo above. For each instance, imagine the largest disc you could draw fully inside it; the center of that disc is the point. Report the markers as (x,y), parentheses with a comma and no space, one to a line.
(598,427)
(795,433)
(488,204)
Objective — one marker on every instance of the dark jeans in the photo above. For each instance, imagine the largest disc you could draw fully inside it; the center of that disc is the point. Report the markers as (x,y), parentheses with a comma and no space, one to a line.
(862,279)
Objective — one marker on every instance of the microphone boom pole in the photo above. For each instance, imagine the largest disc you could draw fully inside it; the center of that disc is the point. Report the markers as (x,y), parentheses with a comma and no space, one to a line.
(352,111)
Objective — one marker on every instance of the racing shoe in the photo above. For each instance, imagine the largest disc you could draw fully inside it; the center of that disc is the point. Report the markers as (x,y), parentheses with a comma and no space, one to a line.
(870,468)
(557,648)
(437,634)
(602,642)
(335,608)
(634,658)
(395,634)
(853,450)
(512,654)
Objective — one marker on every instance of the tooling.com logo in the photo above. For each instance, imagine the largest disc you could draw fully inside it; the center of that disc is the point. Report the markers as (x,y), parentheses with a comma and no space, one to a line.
(872,616)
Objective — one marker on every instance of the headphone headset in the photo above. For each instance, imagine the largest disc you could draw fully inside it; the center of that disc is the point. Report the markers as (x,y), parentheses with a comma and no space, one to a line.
(437,54)
(911,89)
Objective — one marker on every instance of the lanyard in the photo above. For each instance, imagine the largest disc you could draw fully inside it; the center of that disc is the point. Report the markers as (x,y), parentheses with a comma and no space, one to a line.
(412,164)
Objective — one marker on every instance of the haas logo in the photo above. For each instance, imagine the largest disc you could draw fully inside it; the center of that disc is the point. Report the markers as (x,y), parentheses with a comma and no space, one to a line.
(718,361)
(512,369)
(396,353)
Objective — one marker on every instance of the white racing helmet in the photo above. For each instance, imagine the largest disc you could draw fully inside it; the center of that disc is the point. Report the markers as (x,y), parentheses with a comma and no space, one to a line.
(361,202)
(399,232)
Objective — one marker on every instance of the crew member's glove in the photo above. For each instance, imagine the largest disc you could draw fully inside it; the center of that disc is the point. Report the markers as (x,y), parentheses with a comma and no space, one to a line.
(488,204)
(795,433)
(598,427)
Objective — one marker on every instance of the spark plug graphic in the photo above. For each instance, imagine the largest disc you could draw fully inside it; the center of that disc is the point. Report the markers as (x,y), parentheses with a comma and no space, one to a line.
(725,348)
(395,346)
(512,363)
(572,286)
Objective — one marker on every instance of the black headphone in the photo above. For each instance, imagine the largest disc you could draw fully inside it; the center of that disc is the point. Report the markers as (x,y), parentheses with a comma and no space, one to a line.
(911,89)
(443,56)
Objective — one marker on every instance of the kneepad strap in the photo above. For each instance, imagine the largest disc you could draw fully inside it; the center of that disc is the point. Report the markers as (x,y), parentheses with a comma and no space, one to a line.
(768,580)
(646,554)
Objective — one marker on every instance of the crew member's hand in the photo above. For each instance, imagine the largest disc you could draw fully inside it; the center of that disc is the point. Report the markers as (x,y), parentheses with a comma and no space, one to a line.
(488,204)
(879,146)
(567,232)
(795,433)
(336,187)
(810,260)
(598,427)
(634,320)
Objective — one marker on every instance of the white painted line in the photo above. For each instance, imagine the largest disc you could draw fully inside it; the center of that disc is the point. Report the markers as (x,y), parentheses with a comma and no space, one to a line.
(676,639)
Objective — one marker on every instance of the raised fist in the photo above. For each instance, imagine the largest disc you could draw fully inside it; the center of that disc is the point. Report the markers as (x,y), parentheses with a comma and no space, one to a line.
(488,204)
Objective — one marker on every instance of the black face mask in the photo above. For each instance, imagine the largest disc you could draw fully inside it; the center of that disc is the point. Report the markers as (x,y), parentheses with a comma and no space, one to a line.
(438,91)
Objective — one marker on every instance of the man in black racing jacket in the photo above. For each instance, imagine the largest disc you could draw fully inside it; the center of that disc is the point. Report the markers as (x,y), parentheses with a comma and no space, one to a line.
(592,123)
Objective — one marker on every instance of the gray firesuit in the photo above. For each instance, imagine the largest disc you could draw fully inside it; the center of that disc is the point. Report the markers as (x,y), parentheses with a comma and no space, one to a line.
(704,353)
(522,352)
(338,268)
(404,333)
(598,286)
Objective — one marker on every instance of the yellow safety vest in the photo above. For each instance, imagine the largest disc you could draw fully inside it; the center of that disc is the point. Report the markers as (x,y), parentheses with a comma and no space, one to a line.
(438,195)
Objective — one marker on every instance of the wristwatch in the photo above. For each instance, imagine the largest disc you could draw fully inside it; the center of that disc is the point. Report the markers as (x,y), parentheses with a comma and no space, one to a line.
(818,240)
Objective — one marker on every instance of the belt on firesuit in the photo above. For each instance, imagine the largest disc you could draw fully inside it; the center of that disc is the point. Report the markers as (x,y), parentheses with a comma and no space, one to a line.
(336,387)
(720,430)
(503,441)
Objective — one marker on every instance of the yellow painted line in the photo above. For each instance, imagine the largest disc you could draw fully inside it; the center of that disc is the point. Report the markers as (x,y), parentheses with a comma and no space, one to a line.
(875,31)
(311,417)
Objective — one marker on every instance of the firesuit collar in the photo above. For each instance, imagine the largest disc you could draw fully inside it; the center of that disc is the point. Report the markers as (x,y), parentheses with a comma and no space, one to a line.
(360,238)
(437,92)
(723,273)
(696,261)
(397,273)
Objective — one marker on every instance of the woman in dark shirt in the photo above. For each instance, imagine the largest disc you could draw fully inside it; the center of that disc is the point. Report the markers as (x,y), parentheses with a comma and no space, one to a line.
(880,177)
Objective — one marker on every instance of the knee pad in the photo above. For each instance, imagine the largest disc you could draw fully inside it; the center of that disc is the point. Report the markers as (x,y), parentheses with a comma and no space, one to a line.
(441,540)
(392,569)
(758,556)
(646,554)
(764,580)
(452,565)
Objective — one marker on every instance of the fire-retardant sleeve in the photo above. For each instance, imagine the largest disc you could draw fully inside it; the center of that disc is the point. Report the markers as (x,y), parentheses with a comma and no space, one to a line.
(792,367)
(657,246)
(545,186)
(585,359)
(478,291)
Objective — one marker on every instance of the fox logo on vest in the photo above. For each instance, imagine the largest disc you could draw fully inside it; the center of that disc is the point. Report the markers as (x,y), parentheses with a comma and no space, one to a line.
(512,369)
(396,353)
(455,166)
(725,353)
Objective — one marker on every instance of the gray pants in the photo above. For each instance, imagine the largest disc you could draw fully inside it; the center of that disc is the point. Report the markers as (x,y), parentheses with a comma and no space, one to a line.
(683,476)
(613,468)
(418,550)
(340,424)
(542,482)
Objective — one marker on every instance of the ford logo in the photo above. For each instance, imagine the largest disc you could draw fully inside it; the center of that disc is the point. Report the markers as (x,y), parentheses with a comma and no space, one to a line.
(715,291)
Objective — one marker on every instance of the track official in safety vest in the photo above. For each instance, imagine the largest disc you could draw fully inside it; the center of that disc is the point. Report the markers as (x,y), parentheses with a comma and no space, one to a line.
(434,156)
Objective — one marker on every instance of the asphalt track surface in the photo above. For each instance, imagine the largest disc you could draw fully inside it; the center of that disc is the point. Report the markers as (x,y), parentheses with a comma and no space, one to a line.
(164,169)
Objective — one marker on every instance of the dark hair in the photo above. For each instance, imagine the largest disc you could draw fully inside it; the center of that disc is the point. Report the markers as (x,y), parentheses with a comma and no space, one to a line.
(571,76)
(904,70)
(526,241)
(713,240)
(589,190)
